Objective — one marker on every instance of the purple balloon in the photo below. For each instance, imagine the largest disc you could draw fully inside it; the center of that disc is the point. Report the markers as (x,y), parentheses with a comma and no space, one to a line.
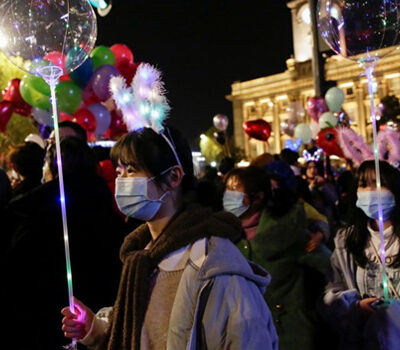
(42,116)
(101,80)
(103,118)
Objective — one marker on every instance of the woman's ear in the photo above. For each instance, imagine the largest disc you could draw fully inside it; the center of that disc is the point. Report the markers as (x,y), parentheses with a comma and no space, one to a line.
(175,177)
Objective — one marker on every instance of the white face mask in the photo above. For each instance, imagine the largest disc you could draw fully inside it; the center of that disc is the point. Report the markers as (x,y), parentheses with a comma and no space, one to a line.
(233,202)
(132,197)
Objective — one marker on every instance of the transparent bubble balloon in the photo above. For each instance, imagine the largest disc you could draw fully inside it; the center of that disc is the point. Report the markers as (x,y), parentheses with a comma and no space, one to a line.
(32,31)
(355,29)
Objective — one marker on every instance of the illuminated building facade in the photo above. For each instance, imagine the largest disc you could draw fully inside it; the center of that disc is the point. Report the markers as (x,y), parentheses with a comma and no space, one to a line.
(268,97)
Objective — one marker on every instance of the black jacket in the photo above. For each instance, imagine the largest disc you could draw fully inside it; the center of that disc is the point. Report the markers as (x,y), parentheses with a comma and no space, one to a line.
(35,273)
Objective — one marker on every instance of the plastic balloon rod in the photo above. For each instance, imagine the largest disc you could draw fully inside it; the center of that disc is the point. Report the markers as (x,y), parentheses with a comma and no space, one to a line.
(51,75)
(369,72)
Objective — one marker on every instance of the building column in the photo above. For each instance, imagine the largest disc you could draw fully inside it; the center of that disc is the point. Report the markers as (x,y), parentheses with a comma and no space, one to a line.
(240,133)
(361,115)
(276,127)
(238,110)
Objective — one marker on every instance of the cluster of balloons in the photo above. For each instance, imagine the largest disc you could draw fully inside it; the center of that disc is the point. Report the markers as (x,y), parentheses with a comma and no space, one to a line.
(83,94)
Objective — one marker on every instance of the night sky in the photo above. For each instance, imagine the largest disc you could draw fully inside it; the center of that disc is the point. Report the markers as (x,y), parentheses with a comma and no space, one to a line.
(202,47)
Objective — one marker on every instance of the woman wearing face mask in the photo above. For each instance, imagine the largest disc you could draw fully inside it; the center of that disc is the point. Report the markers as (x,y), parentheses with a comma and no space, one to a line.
(323,193)
(353,296)
(184,284)
(276,237)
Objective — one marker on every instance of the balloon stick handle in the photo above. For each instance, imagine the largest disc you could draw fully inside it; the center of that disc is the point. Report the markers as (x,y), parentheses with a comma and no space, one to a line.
(51,75)
(369,69)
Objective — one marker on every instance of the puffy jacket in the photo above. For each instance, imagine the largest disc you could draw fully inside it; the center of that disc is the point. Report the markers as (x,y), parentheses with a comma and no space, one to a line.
(219,302)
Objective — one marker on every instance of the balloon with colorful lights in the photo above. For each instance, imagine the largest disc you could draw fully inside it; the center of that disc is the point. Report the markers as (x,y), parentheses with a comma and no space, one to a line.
(34,31)
(358,29)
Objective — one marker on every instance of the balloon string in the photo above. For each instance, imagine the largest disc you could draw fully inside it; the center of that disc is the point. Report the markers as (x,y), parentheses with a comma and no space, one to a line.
(369,69)
(52,81)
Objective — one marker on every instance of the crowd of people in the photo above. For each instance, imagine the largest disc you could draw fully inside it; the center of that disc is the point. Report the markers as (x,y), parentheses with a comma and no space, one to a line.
(276,255)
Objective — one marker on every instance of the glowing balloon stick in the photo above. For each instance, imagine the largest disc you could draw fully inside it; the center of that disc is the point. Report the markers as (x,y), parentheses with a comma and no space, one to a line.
(369,69)
(51,75)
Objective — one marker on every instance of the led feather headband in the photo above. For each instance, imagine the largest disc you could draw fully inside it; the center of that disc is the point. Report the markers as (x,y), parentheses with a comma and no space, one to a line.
(143,104)
(355,148)
(313,157)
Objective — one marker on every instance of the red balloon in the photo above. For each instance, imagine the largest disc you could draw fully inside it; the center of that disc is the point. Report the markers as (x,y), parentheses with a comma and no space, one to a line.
(316,106)
(6,111)
(64,117)
(117,126)
(258,129)
(65,77)
(128,70)
(12,94)
(86,119)
(88,96)
(57,58)
(122,54)
(327,139)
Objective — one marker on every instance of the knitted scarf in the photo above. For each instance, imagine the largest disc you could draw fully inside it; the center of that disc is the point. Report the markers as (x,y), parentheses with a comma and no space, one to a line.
(138,264)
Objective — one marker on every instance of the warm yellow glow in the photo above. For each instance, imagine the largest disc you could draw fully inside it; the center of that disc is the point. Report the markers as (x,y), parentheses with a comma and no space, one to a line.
(203,137)
(391,76)
(281,97)
(346,85)
(243,163)
(250,103)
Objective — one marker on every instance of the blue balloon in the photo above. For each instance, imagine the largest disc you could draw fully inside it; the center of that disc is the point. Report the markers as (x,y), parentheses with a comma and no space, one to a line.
(83,73)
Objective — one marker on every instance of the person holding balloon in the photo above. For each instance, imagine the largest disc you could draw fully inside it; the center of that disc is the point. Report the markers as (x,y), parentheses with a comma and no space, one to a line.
(353,298)
(184,284)
(276,237)
(180,255)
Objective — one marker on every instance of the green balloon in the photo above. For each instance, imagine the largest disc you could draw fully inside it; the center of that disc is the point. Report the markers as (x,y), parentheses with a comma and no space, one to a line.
(334,98)
(35,91)
(102,55)
(69,96)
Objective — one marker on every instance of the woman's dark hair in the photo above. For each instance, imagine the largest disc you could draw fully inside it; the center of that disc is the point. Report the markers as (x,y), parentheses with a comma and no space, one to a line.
(147,151)
(289,156)
(28,160)
(319,165)
(253,179)
(357,238)
(77,157)
(79,131)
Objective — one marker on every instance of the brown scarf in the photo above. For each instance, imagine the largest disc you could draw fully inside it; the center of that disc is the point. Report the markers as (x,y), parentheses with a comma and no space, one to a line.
(138,264)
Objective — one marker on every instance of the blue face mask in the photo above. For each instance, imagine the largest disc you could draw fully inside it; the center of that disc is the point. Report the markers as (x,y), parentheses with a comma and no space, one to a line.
(132,198)
(368,202)
(233,202)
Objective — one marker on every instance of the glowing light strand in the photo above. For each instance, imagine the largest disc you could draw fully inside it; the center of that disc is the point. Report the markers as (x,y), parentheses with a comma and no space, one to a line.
(51,75)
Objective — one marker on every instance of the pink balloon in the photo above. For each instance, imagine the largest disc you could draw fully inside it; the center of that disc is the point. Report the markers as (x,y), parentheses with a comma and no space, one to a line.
(57,58)
(316,106)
